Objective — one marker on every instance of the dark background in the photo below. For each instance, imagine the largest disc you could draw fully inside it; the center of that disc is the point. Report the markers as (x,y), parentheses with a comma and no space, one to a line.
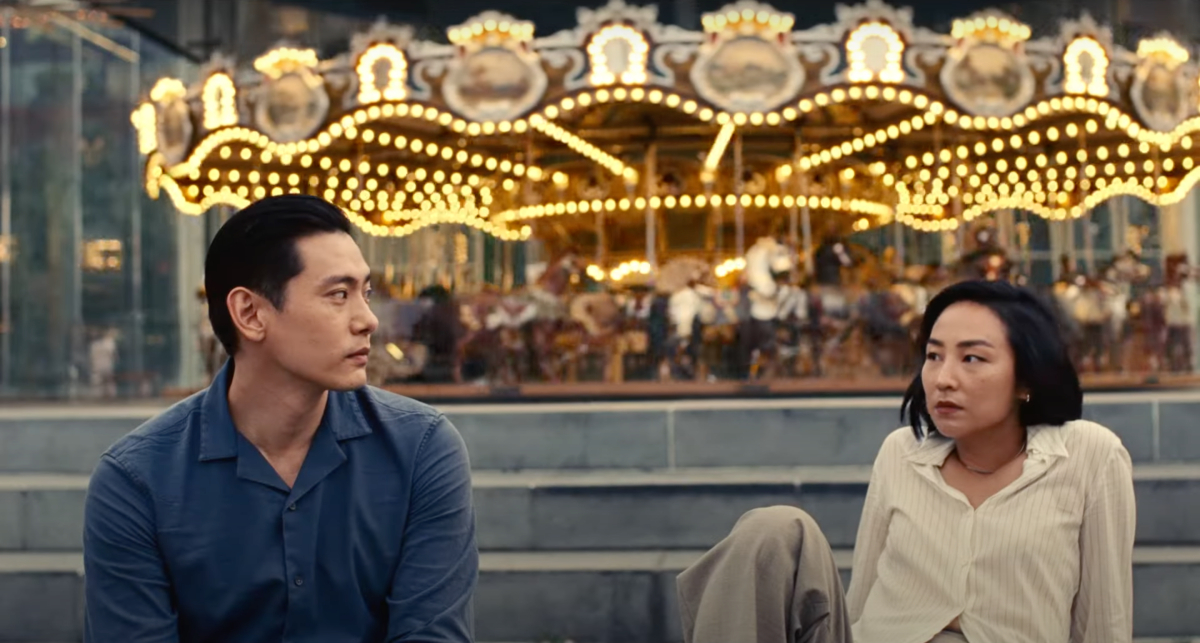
(246,28)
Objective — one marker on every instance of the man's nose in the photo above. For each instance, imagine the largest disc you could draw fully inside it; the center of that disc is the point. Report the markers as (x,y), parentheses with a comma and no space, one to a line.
(367,322)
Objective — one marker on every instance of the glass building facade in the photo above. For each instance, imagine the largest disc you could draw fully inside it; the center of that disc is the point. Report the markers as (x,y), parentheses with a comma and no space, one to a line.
(88,264)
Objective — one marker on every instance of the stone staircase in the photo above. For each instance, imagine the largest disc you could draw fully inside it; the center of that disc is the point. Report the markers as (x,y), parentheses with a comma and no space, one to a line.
(588,511)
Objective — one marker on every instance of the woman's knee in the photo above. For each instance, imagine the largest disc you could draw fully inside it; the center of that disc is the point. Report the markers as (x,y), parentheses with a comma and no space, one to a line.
(779,525)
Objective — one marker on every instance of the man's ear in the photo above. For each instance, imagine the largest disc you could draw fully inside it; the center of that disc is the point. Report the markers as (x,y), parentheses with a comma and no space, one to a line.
(248,311)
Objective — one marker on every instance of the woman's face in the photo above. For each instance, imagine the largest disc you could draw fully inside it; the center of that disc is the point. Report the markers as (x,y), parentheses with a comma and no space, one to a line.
(969,373)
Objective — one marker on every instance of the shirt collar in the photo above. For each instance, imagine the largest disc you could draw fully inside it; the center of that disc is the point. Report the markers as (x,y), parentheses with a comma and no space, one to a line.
(1043,442)
(344,418)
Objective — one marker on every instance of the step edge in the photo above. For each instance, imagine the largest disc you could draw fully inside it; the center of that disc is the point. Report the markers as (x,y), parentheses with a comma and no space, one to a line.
(690,476)
(650,560)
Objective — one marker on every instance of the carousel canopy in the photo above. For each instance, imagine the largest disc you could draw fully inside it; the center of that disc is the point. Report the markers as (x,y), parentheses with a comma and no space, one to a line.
(623,128)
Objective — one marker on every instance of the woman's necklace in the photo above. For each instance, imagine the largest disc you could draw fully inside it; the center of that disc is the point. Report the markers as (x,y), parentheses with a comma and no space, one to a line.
(985,472)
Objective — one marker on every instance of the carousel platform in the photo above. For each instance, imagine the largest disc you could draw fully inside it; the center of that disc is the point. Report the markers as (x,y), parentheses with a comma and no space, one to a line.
(587,511)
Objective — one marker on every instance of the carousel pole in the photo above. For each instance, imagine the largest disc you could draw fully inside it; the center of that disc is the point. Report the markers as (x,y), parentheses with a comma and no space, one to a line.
(651,223)
(806,228)
(1066,231)
(739,211)
(960,232)
(477,268)
(1089,243)
(898,244)
(1026,253)
(718,222)
(601,241)
(793,210)
(508,274)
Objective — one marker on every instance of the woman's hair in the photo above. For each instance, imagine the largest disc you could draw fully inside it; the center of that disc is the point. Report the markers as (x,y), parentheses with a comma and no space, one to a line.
(1041,361)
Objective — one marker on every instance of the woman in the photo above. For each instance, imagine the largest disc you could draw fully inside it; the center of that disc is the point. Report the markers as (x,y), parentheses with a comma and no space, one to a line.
(998,516)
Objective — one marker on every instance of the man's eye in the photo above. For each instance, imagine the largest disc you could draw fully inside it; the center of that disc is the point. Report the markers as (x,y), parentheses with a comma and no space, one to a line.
(367,294)
(341,294)
(932,357)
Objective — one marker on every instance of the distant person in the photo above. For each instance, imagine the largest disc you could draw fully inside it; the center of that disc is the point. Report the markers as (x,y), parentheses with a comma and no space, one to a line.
(288,501)
(997,516)
(102,363)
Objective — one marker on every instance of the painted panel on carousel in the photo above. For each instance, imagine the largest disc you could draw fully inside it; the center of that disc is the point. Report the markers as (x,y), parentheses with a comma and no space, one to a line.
(172,120)
(1160,91)
(747,63)
(986,71)
(496,77)
(293,102)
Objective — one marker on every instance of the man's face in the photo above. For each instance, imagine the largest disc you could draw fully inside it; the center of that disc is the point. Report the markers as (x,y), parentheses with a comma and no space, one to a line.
(323,332)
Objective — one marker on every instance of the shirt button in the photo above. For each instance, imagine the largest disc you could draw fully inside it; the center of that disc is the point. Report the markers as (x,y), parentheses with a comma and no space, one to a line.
(292,507)
(299,581)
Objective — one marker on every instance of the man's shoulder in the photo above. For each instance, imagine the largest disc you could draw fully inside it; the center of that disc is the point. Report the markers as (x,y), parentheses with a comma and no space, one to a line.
(159,435)
(396,414)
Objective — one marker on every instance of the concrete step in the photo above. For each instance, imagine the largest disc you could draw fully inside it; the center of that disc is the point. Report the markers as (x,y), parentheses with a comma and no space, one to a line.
(1155,426)
(615,597)
(621,510)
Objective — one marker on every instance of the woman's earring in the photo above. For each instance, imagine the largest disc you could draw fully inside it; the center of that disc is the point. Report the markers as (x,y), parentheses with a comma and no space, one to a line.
(1027,398)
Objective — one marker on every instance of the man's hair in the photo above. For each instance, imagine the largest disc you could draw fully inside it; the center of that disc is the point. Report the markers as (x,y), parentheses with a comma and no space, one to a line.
(1041,359)
(256,250)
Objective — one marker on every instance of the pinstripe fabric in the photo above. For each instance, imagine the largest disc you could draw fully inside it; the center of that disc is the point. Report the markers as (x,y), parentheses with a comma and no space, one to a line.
(1047,559)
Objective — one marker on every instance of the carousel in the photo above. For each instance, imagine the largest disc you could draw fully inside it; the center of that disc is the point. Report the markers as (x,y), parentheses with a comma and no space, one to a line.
(688,196)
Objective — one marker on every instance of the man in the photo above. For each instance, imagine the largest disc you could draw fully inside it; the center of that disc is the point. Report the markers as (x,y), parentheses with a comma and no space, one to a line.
(288,502)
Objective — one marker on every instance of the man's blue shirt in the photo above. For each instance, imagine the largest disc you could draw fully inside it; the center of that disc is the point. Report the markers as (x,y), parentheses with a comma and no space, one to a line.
(190,536)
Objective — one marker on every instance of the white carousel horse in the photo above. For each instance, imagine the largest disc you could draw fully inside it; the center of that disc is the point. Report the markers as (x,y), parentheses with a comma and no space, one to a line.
(765,261)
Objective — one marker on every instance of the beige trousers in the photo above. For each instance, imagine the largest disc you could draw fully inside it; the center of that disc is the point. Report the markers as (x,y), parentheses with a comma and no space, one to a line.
(772,580)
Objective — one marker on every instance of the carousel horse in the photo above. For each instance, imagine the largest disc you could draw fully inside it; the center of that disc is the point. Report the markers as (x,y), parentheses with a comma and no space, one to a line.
(599,316)
(719,323)
(1177,313)
(692,313)
(397,361)
(879,336)
(768,262)
(475,347)
(988,261)
(689,308)
(796,309)
(553,333)
(508,323)
(911,297)
(633,338)
(841,275)
(395,355)
(1063,293)
(1091,315)
(440,329)
(1118,280)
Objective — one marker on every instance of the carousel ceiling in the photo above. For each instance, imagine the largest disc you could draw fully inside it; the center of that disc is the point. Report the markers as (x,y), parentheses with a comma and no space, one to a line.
(870,118)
